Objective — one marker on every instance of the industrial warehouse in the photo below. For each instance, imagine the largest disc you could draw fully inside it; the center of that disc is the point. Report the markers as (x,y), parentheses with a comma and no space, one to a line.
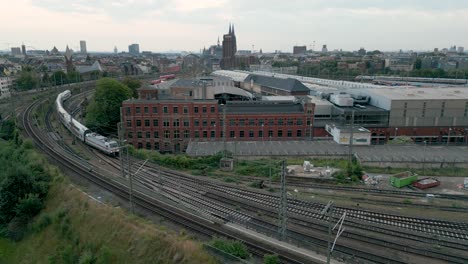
(261,106)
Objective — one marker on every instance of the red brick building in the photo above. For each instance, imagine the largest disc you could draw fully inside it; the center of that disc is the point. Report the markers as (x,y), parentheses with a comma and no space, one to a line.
(169,125)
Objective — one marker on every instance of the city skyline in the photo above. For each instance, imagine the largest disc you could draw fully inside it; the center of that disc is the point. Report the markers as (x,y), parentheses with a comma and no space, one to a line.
(268,25)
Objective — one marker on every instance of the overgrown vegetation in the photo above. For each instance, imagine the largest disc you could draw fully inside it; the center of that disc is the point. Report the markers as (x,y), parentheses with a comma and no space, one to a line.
(24,182)
(197,165)
(271,259)
(235,248)
(445,171)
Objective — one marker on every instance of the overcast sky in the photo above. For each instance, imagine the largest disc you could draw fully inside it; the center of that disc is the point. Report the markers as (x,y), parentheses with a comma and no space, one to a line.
(159,25)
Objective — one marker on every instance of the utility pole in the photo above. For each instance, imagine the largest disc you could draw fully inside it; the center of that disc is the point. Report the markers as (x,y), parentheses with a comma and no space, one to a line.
(351,134)
(130,183)
(283,206)
(327,211)
(224,129)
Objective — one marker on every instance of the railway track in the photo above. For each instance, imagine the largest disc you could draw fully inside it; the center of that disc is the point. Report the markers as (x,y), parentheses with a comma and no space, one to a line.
(119,188)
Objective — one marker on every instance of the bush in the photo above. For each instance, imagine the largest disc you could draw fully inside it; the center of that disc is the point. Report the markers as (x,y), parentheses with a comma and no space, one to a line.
(271,259)
(234,248)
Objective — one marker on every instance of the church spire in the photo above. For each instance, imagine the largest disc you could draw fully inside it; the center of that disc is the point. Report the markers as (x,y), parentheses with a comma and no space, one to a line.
(230,28)
(218,40)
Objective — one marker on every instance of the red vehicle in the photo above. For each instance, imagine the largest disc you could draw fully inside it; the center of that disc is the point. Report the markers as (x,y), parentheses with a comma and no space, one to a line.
(426,183)
(156,81)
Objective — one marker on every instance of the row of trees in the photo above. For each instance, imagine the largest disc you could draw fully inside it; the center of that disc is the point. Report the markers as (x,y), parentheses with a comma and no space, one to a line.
(29,79)
(103,111)
(24,182)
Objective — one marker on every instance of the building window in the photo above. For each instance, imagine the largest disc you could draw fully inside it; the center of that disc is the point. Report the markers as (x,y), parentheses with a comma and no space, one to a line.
(251,122)
(165,109)
(221,134)
(197,134)
(175,110)
(241,122)
(166,122)
(156,145)
(212,109)
(138,123)
(213,122)
(186,134)
(299,122)
(232,134)
(147,123)
(260,133)
(204,109)
(299,133)
(129,123)
(167,134)
(155,122)
(176,123)
(280,133)
(261,122)
(156,134)
(270,133)
(290,122)
(197,122)
(185,109)
(130,134)
(308,122)
(251,133)
(289,133)
(145,109)
(148,134)
(241,134)
(442,110)
(212,134)
(205,122)
(280,121)
(139,135)
(127,110)
(205,134)
(271,122)
(148,145)
(195,109)
(155,110)
(232,122)
(140,145)
(176,134)
(137,110)
(186,123)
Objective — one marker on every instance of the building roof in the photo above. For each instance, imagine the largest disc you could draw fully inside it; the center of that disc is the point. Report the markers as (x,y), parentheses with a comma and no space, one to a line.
(289,84)
(89,68)
(428,93)
(234,75)
(185,83)
(268,108)
(230,90)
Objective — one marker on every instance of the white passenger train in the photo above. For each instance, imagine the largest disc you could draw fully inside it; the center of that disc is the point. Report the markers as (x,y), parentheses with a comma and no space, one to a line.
(90,138)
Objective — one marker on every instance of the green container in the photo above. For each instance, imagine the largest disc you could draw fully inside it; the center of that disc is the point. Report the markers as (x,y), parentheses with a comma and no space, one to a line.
(403,179)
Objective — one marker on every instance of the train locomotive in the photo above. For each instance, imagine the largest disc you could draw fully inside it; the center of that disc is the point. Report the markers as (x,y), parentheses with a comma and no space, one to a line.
(110,147)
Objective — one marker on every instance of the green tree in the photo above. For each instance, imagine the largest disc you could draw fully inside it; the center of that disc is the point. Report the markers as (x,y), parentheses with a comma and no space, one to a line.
(59,78)
(418,64)
(133,84)
(27,80)
(7,129)
(103,112)
(73,76)
(271,259)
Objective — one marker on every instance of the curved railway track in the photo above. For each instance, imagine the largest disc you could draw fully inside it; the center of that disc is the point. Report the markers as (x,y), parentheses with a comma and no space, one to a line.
(119,188)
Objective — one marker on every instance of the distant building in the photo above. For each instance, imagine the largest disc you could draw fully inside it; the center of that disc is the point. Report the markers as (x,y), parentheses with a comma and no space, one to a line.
(134,49)
(69,60)
(299,50)
(23,49)
(15,51)
(5,86)
(461,49)
(362,51)
(324,49)
(229,49)
(83,47)
(115,50)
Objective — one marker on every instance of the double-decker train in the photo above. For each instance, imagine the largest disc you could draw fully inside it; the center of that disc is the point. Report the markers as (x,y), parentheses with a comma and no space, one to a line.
(85,135)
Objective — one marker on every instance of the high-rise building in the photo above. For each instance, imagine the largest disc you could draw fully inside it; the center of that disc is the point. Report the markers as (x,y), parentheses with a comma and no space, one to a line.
(23,49)
(134,49)
(461,49)
(229,49)
(83,47)
(324,49)
(15,51)
(115,49)
(299,50)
